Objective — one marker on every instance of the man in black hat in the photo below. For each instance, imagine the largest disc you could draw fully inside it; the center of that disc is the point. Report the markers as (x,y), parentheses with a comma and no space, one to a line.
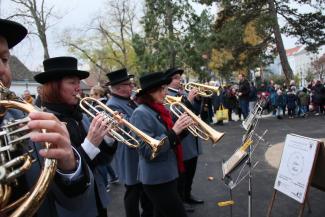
(71,178)
(191,146)
(121,86)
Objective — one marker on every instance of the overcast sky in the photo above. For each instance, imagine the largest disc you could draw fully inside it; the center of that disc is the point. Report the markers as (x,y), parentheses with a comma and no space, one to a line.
(75,14)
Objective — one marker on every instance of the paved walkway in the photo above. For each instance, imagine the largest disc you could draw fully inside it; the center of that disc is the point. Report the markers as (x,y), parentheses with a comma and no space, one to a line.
(268,155)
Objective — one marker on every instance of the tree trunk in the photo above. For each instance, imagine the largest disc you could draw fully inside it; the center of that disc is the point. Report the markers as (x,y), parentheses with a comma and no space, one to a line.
(279,43)
(170,29)
(45,46)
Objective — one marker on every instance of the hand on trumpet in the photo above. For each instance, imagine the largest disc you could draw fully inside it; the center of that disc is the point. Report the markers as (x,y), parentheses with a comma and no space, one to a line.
(182,123)
(98,129)
(192,94)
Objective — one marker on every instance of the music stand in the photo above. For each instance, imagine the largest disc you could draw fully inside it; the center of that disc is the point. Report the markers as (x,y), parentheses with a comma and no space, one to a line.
(245,151)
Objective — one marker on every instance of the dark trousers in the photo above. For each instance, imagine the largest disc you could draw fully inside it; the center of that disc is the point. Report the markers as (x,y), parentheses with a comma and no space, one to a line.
(244,106)
(102,213)
(185,180)
(291,112)
(133,195)
(229,114)
(165,199)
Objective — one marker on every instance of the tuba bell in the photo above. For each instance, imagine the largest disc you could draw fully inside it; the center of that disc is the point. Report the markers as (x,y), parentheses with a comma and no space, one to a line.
(93,107)
(14,137)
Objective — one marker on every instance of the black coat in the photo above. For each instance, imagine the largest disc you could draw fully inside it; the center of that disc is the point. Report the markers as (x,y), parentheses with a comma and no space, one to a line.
(244,88)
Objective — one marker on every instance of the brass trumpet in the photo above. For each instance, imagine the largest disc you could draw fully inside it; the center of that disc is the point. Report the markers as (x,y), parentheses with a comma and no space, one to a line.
(93,106)
(200,128)
(203,90)
(170,99)
(13,139)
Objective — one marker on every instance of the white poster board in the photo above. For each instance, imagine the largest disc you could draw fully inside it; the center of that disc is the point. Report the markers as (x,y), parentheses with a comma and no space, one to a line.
(296,165)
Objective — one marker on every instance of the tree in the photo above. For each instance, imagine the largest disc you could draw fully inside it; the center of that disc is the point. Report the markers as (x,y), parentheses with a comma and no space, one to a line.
(241,43)
(308,26)
(165,24)
(36,16)
(174,35)
(107,43)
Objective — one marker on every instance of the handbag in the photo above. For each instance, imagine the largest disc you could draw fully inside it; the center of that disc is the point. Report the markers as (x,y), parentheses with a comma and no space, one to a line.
(221,114)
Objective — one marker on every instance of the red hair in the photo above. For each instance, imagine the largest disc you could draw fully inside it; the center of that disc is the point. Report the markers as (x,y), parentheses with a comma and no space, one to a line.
(51,92)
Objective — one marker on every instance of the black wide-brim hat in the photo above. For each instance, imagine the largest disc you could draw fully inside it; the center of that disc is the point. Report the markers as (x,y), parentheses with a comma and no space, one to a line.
(12,31)
(118,76)
(151,81)
(59,67)
(172,71)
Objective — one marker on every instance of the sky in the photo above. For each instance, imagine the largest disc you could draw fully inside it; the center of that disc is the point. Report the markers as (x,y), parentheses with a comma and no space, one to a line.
(74,14)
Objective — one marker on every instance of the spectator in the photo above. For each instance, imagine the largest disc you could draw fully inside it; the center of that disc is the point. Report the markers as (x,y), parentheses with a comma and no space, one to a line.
(291,102)
(280,103)
(28,98)
(230,101)
(252,97)
(243,93)
(38,102)
(304,101)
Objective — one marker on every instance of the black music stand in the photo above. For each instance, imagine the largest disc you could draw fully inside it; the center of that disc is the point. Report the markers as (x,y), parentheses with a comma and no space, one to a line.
(241,162)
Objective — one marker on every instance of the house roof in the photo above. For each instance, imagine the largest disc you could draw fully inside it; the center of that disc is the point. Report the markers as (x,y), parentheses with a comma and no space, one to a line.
(19,71)
(293,51)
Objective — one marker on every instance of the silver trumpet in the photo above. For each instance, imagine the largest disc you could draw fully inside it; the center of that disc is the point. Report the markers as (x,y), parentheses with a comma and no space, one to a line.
(93,107)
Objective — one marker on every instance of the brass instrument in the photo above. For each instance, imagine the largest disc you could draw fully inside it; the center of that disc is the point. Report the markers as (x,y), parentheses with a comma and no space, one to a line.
(170,99)
(200,128)
(93,107)
(203,89)
(14,137)
(253,116)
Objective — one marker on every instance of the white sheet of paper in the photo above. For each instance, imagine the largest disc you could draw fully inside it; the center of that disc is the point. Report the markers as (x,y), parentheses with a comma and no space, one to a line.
(295,168)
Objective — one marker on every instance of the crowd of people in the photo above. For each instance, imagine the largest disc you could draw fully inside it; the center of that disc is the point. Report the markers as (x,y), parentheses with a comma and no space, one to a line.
(279,100)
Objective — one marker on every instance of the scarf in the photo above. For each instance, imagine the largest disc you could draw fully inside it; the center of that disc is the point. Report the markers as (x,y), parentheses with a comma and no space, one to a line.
(72,116)
(167,119)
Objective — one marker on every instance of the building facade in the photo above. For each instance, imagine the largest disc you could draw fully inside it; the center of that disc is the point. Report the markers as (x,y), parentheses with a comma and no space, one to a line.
(299,60)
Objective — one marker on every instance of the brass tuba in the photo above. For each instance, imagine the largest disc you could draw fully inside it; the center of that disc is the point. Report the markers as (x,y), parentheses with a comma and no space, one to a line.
(203,89)
(93,107)
(199,128)
(13,138)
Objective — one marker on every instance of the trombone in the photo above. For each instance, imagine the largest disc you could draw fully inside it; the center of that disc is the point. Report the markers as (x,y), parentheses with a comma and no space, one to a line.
(203,89)
(93,106)
(200,128)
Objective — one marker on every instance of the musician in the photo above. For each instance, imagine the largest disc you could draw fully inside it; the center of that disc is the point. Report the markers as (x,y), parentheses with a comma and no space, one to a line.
(191,146)
(159,175)
(98,93)
(121,87)
(60,89)
(72,185)
(243,94)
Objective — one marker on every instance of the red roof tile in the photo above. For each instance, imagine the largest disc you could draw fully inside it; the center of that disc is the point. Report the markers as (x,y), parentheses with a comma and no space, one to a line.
(292,51)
